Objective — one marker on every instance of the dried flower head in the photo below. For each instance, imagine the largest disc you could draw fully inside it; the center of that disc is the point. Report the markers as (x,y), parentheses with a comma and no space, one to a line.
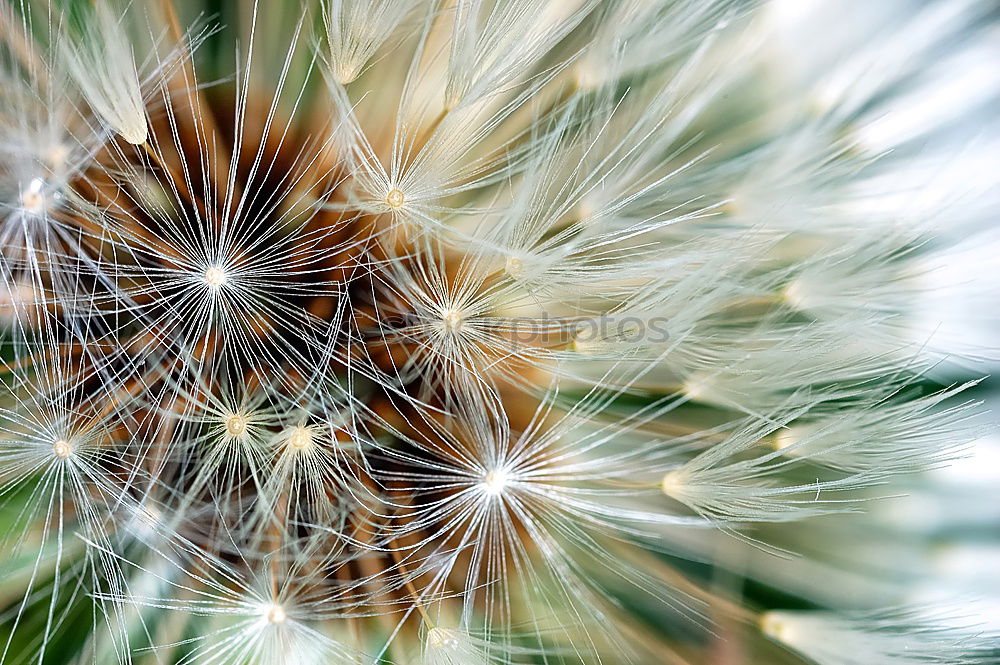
(472,332)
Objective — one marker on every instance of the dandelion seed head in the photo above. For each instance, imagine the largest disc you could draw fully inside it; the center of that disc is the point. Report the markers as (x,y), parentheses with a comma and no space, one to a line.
(524,307)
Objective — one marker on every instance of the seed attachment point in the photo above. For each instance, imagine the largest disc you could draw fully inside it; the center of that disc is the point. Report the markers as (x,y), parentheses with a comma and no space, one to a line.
(300,438)
(237,425)
(275,614)
(452,320)
(495,482)
(134,129)
(442,638)
(673,484)
(216,277)
(514,267)
(775,626)
(33,197)
(395,199)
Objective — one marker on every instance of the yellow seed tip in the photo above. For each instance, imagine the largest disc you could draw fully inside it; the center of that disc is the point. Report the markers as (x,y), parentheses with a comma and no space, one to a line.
(395,198)
(275,614)
(441,638)
(300,437)
(452,319)
(494,482)
(237,424)
(783,438)
(136,132)
(672,483)
(62,448)
(514,267)
(215,277)
(772,625)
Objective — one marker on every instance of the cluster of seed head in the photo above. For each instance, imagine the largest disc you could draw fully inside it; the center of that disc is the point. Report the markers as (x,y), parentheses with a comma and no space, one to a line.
(433,340)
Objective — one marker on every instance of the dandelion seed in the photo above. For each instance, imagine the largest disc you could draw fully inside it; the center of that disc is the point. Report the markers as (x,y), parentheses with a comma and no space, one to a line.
(797,295)
(356,30)
(786,437)
(145,522)
(102,65)
(56,157)
(891,636)
(699,387)
(452,646)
